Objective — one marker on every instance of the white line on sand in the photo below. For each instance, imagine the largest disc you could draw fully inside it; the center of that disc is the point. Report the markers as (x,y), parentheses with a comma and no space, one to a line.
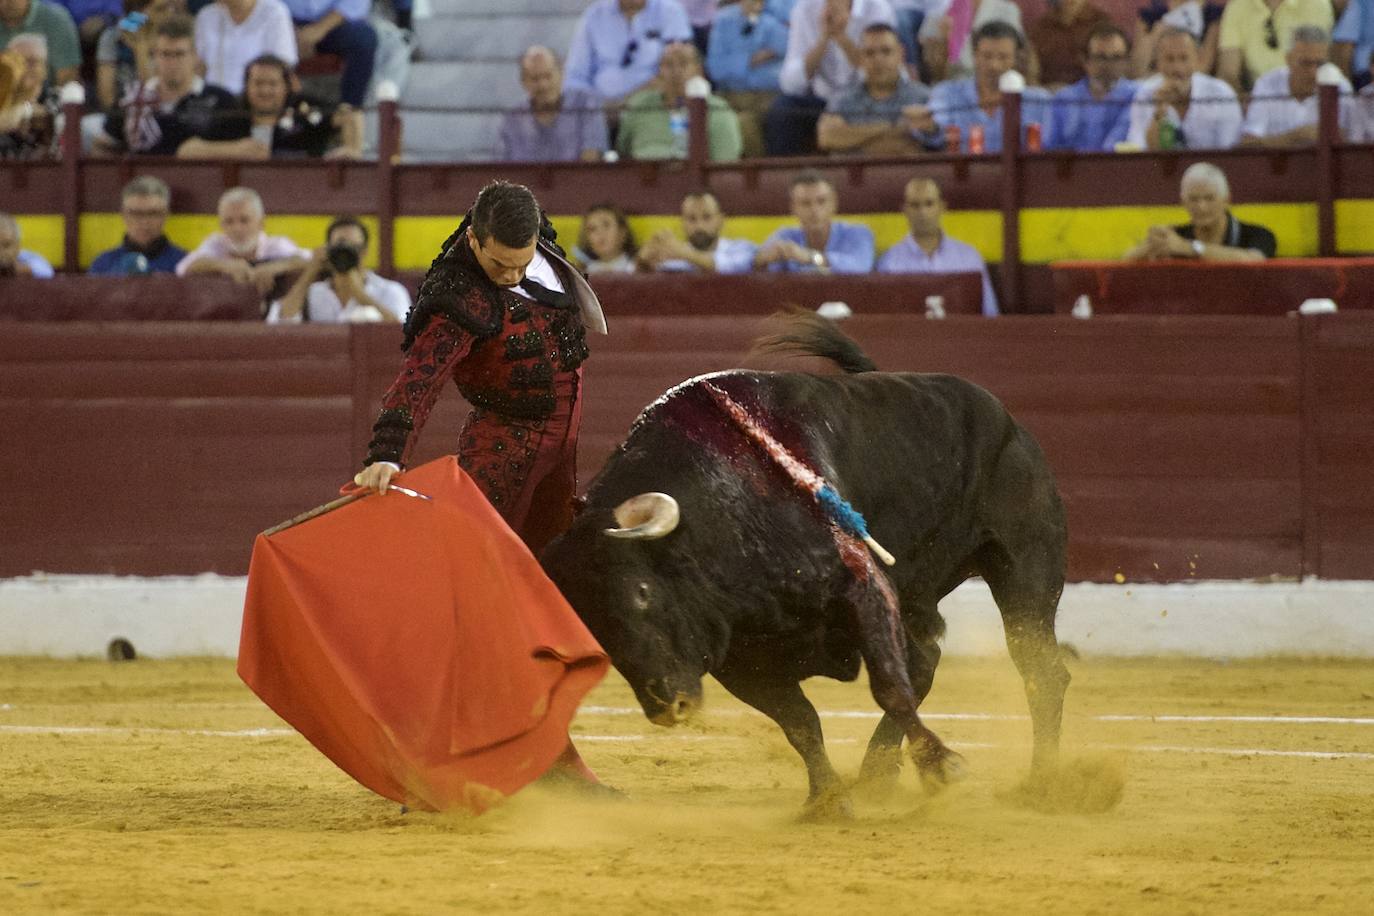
(1004,717)
(283,732)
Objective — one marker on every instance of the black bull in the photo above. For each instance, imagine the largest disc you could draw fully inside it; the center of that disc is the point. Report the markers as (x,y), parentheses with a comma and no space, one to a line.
(736,572)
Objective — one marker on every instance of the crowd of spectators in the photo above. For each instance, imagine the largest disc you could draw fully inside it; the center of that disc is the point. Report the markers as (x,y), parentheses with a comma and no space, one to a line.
(780,77)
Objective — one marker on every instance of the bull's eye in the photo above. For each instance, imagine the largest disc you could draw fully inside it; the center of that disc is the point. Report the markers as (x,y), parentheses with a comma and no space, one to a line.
(642,596)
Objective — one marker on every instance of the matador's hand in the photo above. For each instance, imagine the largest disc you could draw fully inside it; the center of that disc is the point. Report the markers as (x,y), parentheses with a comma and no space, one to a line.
(376,477)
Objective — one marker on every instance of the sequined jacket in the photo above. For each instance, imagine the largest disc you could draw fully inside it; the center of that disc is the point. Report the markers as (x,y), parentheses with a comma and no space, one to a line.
(505,353)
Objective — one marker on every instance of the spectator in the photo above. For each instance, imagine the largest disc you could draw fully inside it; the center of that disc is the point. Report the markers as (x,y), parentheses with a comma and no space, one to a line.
(744,60)
(338,27)
(241,250)
(91,17)
(144,206)
(911,15)
(948,33)
(1212,234)
(976,101)
(15,261)
(654,122)
(158,116)
(884,115)
(746,49)
(1092,113)
(1179,108)
(231,33)
(704,250)
(1353,40)
(275,123)
(1059,37)
(55,24)
(617,45)
(1283,108)
(819,243)
(1200,19)
(606,243)
(335,288)
(558,124)
(28,124)
(822,61)
(700,15)
(124,53)
(1255,32)
(927,250)
(1362,117)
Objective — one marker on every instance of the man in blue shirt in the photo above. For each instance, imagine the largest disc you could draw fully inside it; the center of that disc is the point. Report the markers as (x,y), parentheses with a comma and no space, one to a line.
(557,124)
(1086,116)
(820,243)
(927,250)
(976,101)
(1353,41)
(144,205)
(338,27)
(616,48)
(746,49)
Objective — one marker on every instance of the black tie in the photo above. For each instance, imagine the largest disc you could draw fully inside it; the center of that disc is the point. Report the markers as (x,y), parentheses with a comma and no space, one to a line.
(542,293)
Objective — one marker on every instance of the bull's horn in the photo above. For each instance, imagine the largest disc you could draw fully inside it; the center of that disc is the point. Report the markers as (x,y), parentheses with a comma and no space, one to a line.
(646,516)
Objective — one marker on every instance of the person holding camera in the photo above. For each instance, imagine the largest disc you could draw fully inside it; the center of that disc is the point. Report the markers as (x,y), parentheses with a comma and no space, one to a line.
(336,288)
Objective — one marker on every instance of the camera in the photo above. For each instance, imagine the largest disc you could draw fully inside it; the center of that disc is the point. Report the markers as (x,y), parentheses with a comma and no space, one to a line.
(341,258)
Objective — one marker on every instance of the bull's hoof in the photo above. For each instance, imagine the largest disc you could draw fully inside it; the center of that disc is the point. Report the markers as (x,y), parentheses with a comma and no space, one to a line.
(879,772)
(942,771)
(831,808)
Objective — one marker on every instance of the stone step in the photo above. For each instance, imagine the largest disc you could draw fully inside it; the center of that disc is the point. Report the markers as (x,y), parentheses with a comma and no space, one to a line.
(492,37)
(463,84)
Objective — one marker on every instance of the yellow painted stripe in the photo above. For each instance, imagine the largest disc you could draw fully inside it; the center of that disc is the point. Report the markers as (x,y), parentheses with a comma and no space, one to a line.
(1047,234)
(43,235)
(1355,226)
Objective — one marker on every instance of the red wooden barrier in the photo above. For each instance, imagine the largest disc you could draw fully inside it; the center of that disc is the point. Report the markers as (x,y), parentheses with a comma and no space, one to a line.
(1274,287)
(1185,447)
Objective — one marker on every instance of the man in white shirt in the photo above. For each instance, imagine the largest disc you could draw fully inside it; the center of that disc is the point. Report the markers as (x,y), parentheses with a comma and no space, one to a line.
(1179,107)
(335,288)
(231,33)
(822,61)
(1283,107)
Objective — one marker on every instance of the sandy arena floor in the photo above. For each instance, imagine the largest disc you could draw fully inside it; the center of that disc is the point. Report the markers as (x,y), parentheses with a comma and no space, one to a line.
(165,787)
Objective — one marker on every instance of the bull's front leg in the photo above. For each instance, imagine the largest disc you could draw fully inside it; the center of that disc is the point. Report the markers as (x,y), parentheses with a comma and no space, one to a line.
(785,704)
(883,644)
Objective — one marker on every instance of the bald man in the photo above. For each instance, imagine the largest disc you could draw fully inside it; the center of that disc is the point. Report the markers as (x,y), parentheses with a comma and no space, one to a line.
(557,124)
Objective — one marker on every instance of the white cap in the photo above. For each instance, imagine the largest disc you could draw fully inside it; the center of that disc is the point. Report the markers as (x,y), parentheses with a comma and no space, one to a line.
(1328,74)
(834,310)
(388,91)
(698,87)
(1012,81)
(1317,307)
(72,93)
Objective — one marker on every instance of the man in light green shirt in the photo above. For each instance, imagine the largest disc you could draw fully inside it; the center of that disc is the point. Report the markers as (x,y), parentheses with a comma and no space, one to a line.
(51,21)
(654,122)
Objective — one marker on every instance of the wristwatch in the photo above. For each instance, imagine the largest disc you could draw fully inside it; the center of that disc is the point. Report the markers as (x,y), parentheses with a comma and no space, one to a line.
(817,258)
(1197,247)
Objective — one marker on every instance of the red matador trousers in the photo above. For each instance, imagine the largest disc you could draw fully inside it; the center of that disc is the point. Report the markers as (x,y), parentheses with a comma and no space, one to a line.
(528,468)
(528,471)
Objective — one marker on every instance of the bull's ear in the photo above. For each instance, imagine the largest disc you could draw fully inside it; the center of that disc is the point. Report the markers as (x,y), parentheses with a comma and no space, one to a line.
(646,516)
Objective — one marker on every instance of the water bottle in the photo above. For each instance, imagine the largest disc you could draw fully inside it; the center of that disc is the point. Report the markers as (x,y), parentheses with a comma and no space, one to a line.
(677,124)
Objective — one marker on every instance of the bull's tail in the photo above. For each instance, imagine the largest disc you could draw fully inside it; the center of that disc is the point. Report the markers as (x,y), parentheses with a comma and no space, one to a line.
(805,333)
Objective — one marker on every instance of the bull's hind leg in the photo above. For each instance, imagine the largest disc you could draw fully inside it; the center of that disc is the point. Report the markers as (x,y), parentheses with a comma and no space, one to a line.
(884,645)
(1027,590)
(785,704)
(883,759)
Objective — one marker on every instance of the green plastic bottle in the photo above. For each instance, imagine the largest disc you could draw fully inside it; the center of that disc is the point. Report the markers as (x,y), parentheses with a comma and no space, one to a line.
(1168,135)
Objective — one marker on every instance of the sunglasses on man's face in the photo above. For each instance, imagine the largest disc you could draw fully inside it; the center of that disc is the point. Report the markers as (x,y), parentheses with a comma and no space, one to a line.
(1271,34)
(629,55)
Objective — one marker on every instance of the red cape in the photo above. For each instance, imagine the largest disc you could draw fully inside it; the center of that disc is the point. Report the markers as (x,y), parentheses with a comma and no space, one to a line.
(417,644)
